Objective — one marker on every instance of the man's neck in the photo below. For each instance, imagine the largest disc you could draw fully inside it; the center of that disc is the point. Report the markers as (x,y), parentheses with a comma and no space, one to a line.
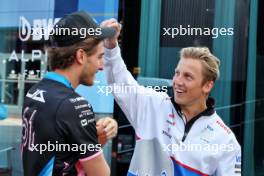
(71,77)
(193,110)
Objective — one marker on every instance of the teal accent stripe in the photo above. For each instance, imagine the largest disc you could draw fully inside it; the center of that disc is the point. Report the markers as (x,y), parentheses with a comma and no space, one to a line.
(248,149)
(57,77)
(223,49)
(149,44)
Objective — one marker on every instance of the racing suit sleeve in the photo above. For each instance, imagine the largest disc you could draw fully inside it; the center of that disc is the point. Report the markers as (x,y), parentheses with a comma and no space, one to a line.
(230,163)
(76,122)
(136,101)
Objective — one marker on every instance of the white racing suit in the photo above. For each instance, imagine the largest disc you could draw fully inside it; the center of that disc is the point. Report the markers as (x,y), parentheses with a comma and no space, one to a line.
(164,146)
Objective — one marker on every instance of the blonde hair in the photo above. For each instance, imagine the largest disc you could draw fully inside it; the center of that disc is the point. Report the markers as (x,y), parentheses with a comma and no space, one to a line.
(210,62)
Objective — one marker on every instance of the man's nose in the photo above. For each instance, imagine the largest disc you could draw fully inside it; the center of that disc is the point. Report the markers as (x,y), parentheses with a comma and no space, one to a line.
(101,66)
(177,80)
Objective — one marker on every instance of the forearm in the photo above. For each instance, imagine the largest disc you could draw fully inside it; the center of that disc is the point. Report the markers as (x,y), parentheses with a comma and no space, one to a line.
(116,70)
(96,167)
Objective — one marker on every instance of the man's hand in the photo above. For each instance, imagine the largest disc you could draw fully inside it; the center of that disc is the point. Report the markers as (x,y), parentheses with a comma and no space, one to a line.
(111,42)
(106,129)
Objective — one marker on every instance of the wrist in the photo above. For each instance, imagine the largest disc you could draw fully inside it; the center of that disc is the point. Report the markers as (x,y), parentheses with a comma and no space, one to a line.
(110,44)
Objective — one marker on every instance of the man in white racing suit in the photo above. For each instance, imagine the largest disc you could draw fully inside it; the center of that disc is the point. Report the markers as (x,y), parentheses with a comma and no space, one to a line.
(178,136)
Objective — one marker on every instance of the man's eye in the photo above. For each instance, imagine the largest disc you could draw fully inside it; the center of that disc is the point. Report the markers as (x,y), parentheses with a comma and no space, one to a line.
(188,77)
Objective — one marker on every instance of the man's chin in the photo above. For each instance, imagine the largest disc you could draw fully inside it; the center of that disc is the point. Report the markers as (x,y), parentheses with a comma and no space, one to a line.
(179,101)
(88,83)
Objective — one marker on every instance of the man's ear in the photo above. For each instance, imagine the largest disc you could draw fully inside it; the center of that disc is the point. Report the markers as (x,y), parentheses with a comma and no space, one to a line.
(208,86)
(80,56)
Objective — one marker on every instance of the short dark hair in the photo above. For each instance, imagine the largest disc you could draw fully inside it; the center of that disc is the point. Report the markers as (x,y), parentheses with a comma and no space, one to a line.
(63,57)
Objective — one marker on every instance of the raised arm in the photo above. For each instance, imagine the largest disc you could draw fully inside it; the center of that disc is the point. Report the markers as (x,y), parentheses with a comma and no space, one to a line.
(131,97)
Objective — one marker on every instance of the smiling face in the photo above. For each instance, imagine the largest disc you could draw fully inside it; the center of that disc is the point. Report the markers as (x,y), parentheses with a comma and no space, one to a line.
(188,83)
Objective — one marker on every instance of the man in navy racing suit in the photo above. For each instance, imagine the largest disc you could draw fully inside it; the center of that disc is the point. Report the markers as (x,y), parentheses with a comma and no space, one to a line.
(60,136)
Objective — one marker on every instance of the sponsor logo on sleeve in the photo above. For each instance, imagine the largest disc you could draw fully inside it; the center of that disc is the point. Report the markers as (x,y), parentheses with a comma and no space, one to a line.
(85,122)
(81,106)
(238,164)
(222,125)
(167,133)
(77,99)
(85,113)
